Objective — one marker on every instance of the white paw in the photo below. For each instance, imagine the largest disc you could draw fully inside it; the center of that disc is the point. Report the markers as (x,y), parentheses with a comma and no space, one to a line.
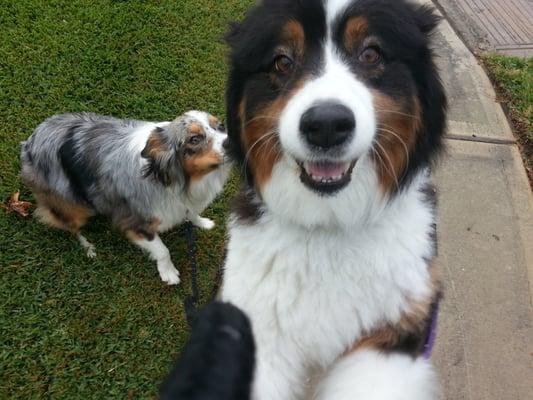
(91,252)
(169,274)
(205,223)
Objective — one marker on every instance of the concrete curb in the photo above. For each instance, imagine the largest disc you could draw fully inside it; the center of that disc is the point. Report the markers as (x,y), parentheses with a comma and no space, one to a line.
(485,346)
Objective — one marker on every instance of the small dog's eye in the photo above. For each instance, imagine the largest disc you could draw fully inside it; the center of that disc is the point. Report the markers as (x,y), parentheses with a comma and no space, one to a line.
(370,55)
(221,127)
(196,139)
(283,64)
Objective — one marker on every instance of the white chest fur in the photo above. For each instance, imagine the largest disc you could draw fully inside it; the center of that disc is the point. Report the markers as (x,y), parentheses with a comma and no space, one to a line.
(311,293)
(174,207)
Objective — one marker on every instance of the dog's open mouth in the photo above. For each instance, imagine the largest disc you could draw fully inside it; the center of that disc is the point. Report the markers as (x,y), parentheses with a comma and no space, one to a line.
(326,177)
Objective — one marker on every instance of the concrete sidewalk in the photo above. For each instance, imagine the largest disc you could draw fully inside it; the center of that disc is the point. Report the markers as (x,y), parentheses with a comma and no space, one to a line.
(485,232)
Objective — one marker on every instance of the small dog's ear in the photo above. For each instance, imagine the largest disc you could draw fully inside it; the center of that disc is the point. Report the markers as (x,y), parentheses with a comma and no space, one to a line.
(164,162)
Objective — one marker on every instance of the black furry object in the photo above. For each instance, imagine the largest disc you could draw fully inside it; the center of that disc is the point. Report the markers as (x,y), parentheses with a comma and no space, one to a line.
(218,361)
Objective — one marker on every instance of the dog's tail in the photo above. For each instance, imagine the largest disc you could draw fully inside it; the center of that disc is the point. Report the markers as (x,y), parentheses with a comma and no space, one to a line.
(218,361)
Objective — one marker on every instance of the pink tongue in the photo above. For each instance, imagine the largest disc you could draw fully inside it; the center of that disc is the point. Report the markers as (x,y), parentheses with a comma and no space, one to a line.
(326,169)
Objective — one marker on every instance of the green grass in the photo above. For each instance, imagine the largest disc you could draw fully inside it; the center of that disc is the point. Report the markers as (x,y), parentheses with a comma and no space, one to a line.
(513,79)
(71,327)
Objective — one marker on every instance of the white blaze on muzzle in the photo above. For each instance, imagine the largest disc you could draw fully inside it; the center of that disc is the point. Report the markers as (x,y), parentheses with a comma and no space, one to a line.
(337,84)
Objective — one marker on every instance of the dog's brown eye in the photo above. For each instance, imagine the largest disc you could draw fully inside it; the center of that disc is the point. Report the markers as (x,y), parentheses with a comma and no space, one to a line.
(283,64)
(370,55)
(196,139)
(221,127)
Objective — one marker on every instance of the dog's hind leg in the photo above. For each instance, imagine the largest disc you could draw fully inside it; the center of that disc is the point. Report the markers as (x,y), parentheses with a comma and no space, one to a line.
(88,246)
(152,243)
(63,214)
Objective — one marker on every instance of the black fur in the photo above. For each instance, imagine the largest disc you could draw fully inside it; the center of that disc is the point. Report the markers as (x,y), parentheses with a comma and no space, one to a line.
(246,207)
(75,167)
(218,362)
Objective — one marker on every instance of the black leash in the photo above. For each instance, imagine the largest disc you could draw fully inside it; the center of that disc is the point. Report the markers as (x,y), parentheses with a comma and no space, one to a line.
(191,302)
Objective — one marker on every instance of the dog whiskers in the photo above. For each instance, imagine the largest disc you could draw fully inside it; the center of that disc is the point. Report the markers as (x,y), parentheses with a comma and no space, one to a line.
(397,136)
(266,136)
(259,117)
(386,155)
(399,113)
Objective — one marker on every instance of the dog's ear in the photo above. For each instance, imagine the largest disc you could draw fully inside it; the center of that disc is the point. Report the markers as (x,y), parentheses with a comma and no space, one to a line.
(427,18)
(164,161)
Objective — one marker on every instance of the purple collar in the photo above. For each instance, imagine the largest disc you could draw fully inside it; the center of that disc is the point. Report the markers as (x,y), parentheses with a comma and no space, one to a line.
(432,334)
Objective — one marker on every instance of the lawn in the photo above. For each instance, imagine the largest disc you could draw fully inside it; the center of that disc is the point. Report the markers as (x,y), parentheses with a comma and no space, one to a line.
(71,327)
(513,79)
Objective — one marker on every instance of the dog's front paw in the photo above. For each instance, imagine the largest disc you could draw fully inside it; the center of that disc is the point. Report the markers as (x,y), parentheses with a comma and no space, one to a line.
(204,223)
(169,274)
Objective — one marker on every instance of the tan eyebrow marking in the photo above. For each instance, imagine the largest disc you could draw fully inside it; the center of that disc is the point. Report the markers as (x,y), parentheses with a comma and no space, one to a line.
(294,36)
(195,128)
(355,31)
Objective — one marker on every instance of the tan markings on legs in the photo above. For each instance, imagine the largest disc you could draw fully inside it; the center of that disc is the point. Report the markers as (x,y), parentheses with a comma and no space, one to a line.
(136,229)
(57,212)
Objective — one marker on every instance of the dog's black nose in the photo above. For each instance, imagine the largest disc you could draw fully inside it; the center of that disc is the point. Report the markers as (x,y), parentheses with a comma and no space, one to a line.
(327,124)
